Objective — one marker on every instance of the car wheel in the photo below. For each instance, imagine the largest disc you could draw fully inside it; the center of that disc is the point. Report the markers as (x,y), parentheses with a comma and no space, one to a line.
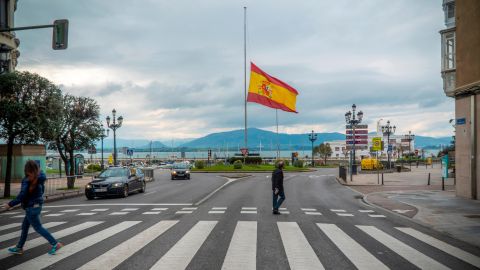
(142,190)
(172,178)
(188,177)
(125,191)
(90,197)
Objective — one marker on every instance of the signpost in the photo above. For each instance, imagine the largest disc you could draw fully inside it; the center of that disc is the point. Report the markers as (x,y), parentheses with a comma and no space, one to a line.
(376,144)
(130,153)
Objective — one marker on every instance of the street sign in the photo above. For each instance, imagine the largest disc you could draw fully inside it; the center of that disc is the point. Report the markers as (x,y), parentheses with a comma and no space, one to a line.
(376,144)
(390,148)
(130,152)
(244,151)
(460,121)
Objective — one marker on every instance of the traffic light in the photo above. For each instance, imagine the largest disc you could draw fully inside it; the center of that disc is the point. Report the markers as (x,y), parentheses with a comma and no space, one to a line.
(60,35)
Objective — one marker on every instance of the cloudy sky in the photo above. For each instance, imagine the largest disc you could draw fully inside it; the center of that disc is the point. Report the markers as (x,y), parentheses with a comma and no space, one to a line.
(174,69)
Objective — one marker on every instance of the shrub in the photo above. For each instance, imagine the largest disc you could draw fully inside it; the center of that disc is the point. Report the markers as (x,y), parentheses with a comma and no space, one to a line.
(285,163)
(220,163)
(94,167)
(199,164)
(298,163)
(248,160)
(237,164)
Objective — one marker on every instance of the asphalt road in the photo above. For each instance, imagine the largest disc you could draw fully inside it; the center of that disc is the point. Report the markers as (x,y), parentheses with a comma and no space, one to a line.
(204,223)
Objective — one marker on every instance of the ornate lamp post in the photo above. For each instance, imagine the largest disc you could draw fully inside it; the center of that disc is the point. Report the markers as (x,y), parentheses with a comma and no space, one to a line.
(312,137)
(388,130)
(410,137)
(103,136)
(353,120)
(114,126)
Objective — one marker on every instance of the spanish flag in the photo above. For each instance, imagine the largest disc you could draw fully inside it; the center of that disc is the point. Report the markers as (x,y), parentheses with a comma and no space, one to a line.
(270,91)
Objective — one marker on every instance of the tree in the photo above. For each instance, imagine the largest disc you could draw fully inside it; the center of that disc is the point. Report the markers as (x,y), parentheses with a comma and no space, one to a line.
(324,150)
(75,128)
(25,107)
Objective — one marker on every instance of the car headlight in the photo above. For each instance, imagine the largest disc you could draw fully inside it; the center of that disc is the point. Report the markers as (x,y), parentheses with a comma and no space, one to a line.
(174,172)
(88,186)
(187,171)
(117,184)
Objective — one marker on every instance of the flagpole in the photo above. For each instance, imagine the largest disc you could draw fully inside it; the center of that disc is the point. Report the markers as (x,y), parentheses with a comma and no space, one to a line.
(278,141)
(245,69)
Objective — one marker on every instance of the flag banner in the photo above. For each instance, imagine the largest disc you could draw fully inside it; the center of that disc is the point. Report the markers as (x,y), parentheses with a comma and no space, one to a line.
(270,91)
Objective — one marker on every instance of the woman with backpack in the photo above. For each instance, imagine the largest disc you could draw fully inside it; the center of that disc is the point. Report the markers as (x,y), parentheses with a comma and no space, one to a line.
(31,199)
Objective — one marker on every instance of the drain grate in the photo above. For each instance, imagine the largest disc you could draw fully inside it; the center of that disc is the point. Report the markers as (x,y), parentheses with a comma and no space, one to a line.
(358,196)
(472,216)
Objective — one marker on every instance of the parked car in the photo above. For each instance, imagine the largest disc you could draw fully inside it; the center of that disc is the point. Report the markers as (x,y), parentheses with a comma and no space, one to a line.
(116,181)
(180,170)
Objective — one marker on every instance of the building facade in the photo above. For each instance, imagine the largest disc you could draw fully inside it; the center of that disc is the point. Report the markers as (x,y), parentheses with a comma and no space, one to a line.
(8,42)
(460,69)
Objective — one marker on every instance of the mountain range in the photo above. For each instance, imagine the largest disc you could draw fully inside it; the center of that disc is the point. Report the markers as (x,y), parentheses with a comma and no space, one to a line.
(256,138)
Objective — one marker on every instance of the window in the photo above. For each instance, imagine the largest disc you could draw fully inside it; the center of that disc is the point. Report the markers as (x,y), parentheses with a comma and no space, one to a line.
(448,51)
(450,12)
(4,13)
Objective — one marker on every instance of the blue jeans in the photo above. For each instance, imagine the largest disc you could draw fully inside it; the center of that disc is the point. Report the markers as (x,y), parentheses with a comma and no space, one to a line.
(277,202)
(32,217)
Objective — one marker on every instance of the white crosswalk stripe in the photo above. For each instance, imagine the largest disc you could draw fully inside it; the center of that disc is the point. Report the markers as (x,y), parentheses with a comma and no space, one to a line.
(12,235)
(447,248)
(180,255)
(300,254)
(118,254)
(242,252)
(410,254)
(70,210)
(9,226)
(99,210)
(55,215)
(70,249)
(40,240)
(313,213)
(357,254)
(86,214)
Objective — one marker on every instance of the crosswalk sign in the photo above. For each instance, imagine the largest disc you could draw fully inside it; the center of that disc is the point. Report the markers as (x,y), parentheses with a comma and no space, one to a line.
(377,144)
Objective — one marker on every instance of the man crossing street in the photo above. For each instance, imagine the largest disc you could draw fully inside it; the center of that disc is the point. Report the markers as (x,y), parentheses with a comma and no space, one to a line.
(277,187)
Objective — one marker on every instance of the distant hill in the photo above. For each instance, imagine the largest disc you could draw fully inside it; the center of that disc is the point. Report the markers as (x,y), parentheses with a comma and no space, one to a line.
(430,142)
(267,139)
(137,144)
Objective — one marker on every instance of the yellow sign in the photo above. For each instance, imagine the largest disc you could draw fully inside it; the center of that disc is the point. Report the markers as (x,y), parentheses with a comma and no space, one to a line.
(110,159)
(377,144)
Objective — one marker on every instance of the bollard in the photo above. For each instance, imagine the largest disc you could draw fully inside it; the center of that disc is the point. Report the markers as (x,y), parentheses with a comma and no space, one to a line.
(428,179)
(382,179)
(443,183)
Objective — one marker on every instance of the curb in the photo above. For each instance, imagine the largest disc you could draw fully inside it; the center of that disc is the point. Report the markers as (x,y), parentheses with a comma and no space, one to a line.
(310,170)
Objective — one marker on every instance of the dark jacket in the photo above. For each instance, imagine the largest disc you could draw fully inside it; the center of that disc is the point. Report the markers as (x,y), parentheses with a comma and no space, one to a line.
(277,179)
(28,200)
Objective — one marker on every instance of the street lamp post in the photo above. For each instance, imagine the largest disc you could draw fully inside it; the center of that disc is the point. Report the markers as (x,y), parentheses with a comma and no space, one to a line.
(114,126)
(312,137)
(353,120)
(103,136)
(388,130)
(410,137)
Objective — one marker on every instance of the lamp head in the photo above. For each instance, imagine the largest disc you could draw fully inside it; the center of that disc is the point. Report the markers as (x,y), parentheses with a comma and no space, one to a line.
(108,121)
(360,116)
(120,120)
(114,112)
(354,107)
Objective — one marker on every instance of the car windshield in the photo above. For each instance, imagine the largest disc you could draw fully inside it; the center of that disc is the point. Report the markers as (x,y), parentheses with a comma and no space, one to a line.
(180,166)
(114,172)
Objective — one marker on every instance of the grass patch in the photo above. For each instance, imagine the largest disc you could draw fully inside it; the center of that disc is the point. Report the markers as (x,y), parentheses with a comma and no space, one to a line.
(52,171)
(9,198)
(248,167)
(65,188)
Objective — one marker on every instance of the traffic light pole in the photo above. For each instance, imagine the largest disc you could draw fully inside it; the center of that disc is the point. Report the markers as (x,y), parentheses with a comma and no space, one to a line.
(27,28)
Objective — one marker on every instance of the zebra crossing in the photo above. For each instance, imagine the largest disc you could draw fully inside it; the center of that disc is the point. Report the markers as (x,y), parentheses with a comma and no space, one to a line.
(242,249)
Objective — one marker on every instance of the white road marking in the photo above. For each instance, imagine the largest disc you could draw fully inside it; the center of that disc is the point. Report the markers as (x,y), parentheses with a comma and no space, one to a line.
(183,212)
(300,254)
(99,210)
(123,251)
(410,254)
(70,210)
(9,213)
(129,209)
(249,208)
(19,216)
(447,248)
(376,216)
(338,210)
(313,213)
(118,213)
(401,211)
(9,226)
(308,209)
(242,251)
(216,212)
(283,209)
(12,235)
(151,192)
(344,214)
(45,211)
(117,204)
(151,213)
(219,208)
(284,212)
(86,214)
(159,209)
(248,212)
(366,211)
(54,215)
(180,255)
(46,260)
(40,240)
(190,208)
(357,254)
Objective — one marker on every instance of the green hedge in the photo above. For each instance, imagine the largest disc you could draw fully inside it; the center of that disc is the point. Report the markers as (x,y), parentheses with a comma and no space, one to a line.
(199,164)
(94,167)
(237,164)
(298,163)
(248,160)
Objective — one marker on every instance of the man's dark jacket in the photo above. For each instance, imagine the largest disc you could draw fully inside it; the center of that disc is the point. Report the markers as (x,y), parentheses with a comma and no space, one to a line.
(277,179)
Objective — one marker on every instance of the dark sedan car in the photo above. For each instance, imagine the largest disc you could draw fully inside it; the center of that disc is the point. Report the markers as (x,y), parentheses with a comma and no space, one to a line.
(180,170)
(116,181)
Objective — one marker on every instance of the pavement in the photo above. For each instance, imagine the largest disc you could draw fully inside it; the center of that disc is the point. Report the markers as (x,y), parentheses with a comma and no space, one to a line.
(408,194)
(218,222)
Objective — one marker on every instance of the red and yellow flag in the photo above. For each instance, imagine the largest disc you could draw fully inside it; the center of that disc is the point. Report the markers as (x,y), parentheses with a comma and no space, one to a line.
(270,91)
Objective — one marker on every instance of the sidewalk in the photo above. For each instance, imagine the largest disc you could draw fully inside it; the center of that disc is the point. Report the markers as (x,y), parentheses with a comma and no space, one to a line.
(408,194)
